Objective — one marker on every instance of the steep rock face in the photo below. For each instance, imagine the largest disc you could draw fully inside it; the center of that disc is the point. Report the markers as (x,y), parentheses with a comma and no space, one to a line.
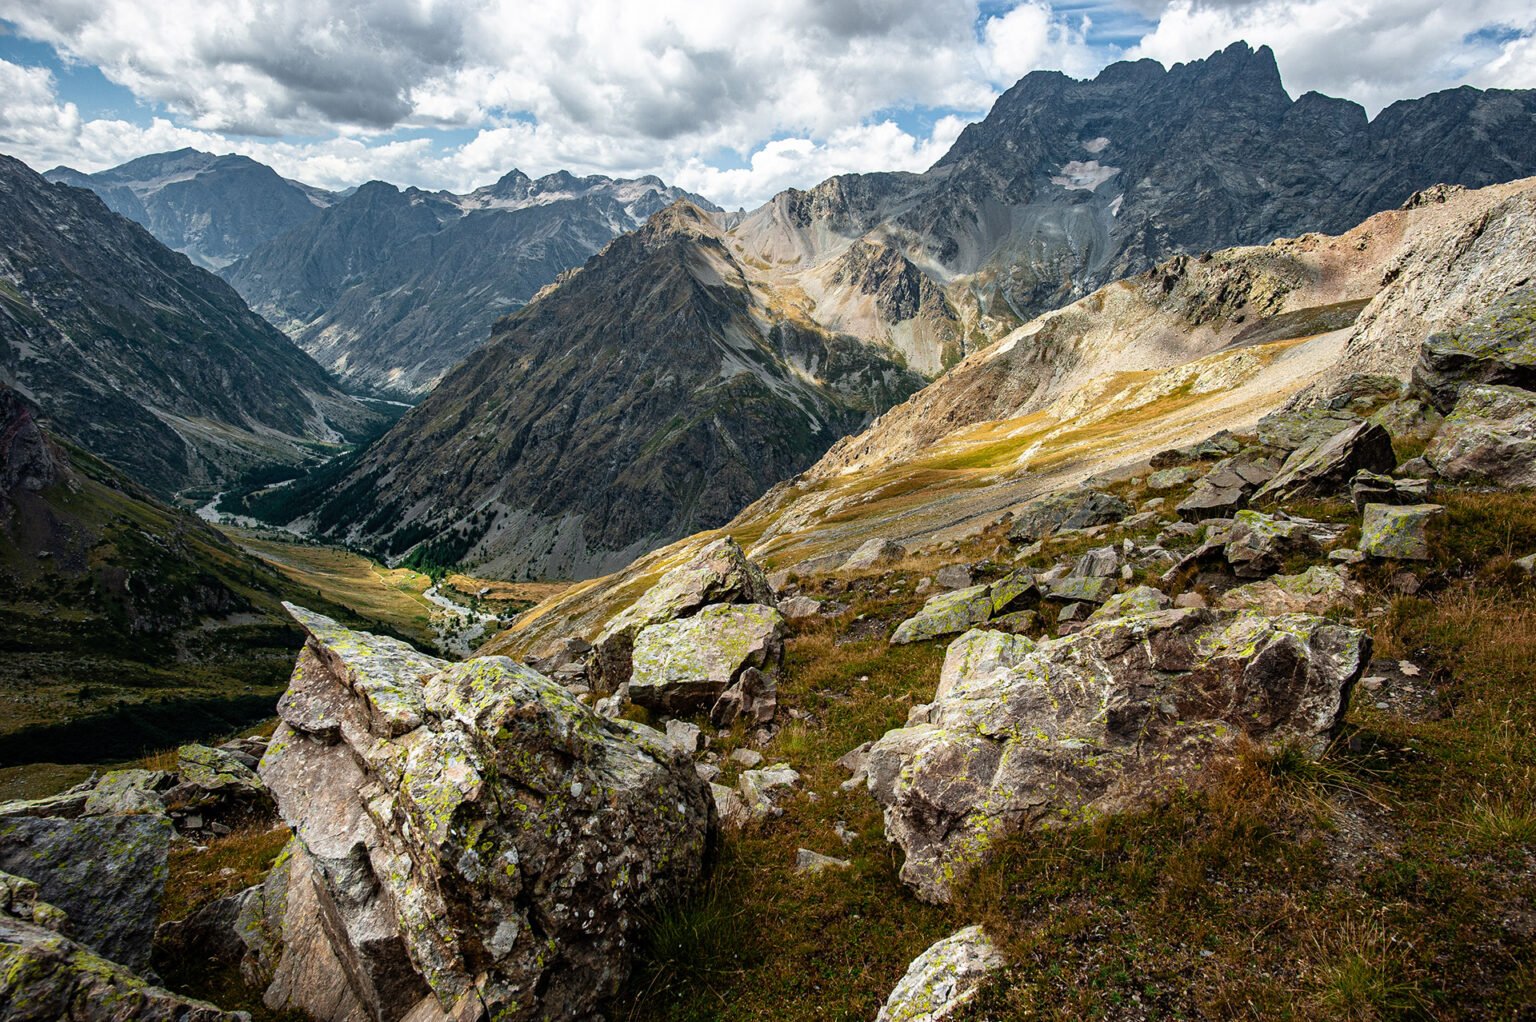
(470,841)
(651,395)
(213,209)
(142,358)
(1068,185)
(391,289)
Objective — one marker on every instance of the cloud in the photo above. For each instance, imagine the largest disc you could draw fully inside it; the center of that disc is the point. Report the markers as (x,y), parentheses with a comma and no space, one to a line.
(735,100)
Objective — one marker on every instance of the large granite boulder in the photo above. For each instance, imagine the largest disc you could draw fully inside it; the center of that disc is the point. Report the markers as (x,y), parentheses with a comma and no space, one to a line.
(719,573)
(683,666)
(1044,734)
(46,977)
(943,979)
(471,841)
(1489,437)
(954,612)
(107,873)
(1074,509)
(1324,468)
(1316,590)
(1498,347)
(873,554)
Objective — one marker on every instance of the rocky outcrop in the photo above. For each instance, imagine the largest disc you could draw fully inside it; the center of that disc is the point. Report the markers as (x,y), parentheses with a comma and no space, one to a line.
(1253,545)
(1023,734)
(1489,438)
(686,665)
(471,842)
(106,873)
(720,573)
(873,554)
(1325,468)
(1317,590)
(1496,348)
(943,979)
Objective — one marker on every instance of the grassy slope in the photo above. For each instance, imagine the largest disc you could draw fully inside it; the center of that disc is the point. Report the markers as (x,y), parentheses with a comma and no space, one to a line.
(1392,880)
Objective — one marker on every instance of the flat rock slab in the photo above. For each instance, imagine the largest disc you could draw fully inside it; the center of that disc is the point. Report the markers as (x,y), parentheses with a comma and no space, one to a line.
(107,873)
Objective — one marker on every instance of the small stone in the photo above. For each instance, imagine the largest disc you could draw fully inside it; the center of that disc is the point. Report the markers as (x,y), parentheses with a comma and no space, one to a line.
(1372,683)
(746,757)
(706,771)
(689,738)
(953,576)
(809,862)
(1346,556)
(845,835)
(798,607)
(1189,601)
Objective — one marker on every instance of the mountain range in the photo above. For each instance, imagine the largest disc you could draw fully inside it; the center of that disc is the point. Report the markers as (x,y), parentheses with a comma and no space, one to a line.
(1064,187)
(213,209)
(390,289)
(144,359)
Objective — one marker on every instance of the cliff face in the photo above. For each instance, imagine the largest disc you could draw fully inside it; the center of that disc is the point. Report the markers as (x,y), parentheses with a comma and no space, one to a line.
(391,289)
(142,358)
(652,394)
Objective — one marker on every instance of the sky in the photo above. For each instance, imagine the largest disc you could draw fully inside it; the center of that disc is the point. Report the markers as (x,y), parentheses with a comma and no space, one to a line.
(733,99)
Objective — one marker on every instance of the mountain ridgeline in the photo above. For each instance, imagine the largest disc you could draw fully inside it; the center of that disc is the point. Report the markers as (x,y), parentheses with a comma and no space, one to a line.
(143,359)
(1066,186)
(213,209)
(648,396)
(390,289)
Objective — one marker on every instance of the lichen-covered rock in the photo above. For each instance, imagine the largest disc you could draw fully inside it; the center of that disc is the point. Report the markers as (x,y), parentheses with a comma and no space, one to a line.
(1140,600)
(873,554)
(1229,484)
(1074,509)
(1374,488)
(46,977)
(214,783)
(107,873)
(1096,722)
(799,607)
(1079,590)
(1172,478)
(946,614)
(720,573)
(1293,428)
(1314,591)
(1100,562)
(943,978)
(1490,437)
(1397,532)
(753,697)
(1325,468)
(1498,347)
(492,861)
(766,790)
(20,898)
(127,793)
(685,665)
(1253,544)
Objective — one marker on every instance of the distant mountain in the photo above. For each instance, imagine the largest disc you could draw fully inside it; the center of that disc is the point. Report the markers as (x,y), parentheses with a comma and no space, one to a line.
(390,289)
(144,359)
(653,393)
(1068,185)
(125,625)
(213,209)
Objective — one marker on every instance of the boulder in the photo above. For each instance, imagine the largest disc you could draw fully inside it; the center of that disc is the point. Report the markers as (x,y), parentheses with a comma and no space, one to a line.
(1217,445)
(946,614)
(765,791)
(1324,468)
(752,697)
(1497,347)
(1210,499)
(1397,533)
(730,808)
(1097,722)
(46,977)
(688,738)
(1100,562)
(107,873)
(1291,429)
(1315,591)
(1374,488)
(1079,590)
(494,859)
(1172,478)
(215,784)
(797,608)
(1252,544)
(1140,600)
(943,978)
(875,554)
(953,576)
(1489,437)
(127,793)
(719,573)
(685,665)
(1074,509)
